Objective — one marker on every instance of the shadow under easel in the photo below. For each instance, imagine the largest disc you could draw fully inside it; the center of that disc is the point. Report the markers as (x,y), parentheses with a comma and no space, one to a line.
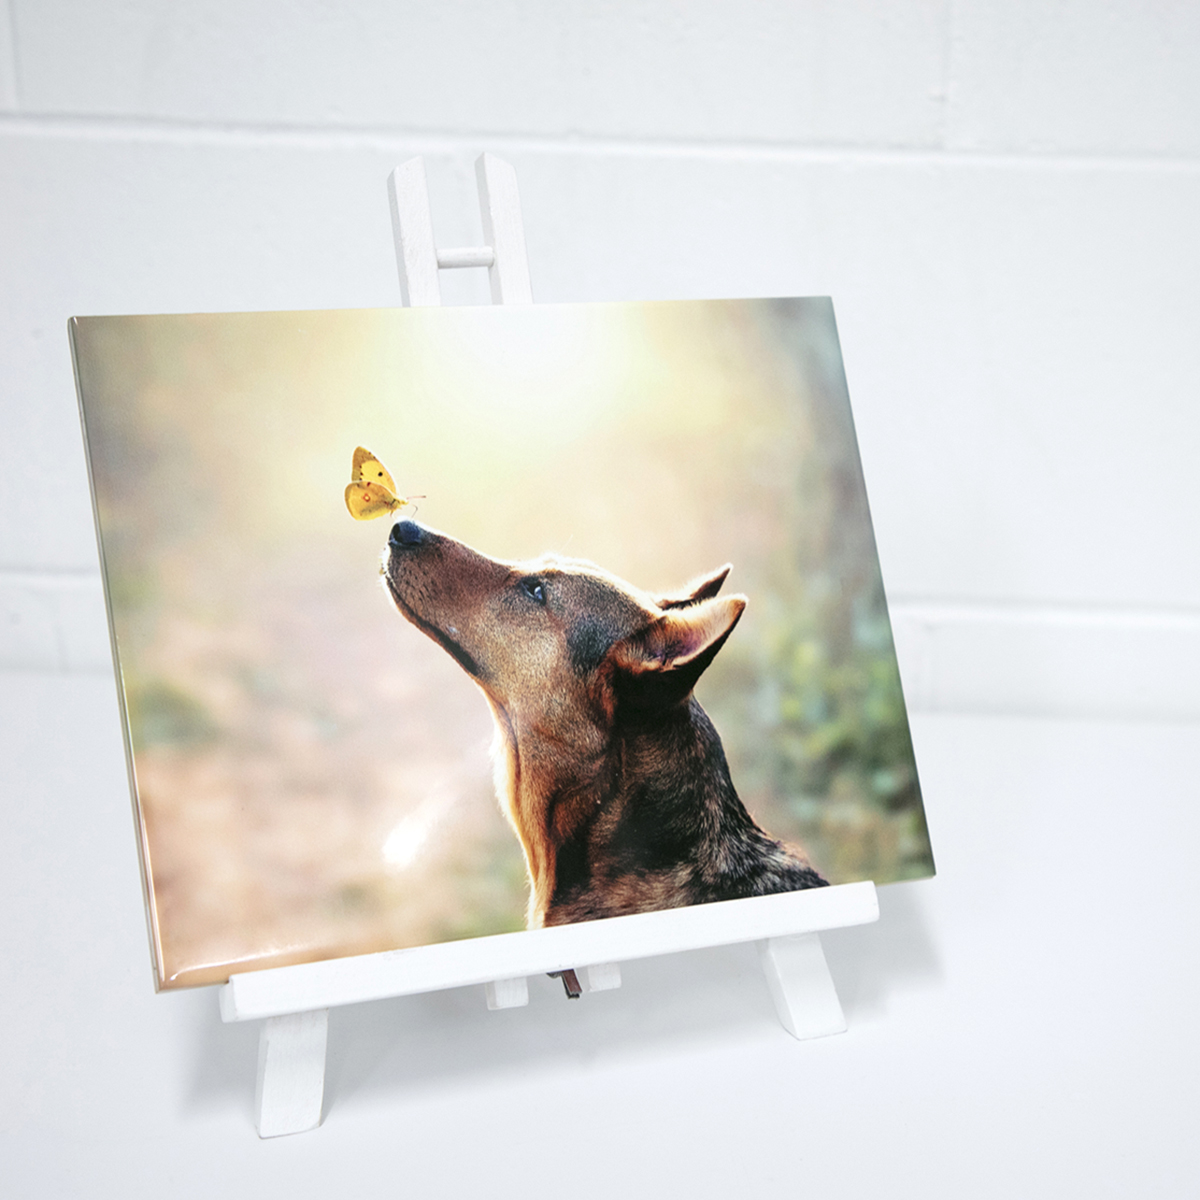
(668,1004)
(869,962)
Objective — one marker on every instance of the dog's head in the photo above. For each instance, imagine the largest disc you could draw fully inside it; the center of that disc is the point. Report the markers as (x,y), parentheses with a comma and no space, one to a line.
(552,641)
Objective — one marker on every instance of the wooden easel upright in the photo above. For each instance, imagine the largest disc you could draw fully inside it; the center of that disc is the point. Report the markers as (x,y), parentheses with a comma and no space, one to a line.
(295,1001)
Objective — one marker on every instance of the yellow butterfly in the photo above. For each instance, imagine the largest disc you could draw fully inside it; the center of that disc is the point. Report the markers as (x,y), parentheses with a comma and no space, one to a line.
(371,492)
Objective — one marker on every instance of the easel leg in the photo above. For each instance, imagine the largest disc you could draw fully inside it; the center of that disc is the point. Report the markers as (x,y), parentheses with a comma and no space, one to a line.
(291,1073)
(507,993)
(801,986)
(602,977)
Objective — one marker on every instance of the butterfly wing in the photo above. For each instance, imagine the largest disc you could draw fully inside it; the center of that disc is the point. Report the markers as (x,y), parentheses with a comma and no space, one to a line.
(367,468)
(366,501)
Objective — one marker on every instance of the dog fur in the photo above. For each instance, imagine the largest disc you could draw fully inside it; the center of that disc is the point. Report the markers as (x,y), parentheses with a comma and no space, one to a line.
(608,769)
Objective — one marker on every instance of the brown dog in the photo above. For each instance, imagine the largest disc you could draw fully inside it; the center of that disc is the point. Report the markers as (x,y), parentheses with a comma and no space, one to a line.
(610,772)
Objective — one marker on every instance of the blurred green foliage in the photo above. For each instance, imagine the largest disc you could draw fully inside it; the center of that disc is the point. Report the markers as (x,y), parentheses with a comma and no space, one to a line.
(841,717)
(165,714)
(842,754)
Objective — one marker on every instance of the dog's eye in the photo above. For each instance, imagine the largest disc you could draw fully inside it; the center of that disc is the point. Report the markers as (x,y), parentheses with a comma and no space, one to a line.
(534,589)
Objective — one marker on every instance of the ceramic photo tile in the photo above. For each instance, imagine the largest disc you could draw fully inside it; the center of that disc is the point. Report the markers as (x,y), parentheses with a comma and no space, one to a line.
(438,623)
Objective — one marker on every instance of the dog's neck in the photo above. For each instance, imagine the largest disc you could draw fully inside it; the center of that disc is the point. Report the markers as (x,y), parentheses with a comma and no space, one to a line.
(646,806)
(549,787)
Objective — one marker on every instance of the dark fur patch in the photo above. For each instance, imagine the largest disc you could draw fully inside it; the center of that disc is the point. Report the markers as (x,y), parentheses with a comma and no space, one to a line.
(652,836)
(589,639)
(571,871)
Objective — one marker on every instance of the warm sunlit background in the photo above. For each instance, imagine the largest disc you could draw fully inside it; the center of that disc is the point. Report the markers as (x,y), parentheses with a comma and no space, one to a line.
(312,773)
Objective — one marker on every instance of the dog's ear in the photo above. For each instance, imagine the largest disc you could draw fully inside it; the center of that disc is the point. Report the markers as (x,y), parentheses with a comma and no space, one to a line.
(703,587)
(659,665)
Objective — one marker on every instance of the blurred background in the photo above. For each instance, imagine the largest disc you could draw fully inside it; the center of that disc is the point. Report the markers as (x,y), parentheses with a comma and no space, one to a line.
(312,773)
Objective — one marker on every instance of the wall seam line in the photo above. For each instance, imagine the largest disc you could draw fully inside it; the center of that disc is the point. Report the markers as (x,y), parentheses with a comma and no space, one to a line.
(185,133)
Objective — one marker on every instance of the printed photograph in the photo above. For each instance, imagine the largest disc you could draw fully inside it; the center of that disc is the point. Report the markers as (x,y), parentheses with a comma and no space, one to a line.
(437,623)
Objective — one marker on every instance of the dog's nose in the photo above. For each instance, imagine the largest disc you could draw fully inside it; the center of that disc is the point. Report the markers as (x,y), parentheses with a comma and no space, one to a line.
(406,533)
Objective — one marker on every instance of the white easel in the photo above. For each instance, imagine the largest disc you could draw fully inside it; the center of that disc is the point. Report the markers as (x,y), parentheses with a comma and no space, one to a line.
(295,1001)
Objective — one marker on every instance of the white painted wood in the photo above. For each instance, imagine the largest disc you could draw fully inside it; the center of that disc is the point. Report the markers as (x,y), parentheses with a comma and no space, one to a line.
(603,977)
(507,993)
(291,1073)
(503,230)
(256,994)
(412,229)
(466,256)
(417,256)
(801,986)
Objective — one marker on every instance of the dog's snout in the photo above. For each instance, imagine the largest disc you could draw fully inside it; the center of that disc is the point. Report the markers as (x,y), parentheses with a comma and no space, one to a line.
(406,534)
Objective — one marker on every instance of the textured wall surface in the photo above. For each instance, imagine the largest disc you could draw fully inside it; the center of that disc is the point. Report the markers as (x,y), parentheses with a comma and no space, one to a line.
(1001,197)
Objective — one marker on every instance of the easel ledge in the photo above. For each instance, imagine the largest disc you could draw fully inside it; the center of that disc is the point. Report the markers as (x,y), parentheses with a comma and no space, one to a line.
(294,1001)
(333,982)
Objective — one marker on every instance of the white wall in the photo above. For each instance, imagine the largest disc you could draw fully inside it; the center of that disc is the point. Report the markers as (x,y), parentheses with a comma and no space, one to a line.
(1001,198)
